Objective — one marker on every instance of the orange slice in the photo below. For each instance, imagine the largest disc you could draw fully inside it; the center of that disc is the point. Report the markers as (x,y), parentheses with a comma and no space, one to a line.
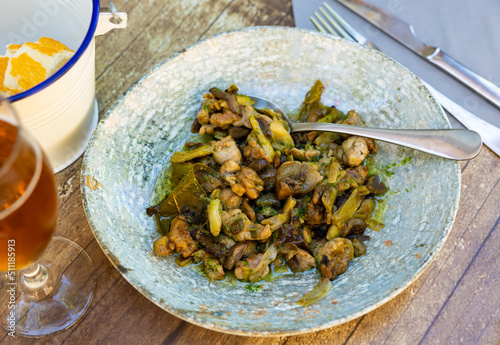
(29,71)
(29,64)
(12,48)
(51,43)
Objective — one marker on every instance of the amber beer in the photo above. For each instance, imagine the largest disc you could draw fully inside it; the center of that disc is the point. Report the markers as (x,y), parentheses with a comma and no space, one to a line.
(28,197)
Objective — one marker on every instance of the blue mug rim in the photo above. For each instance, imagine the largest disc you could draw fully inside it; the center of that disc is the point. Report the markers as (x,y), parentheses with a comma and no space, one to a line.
(83,47)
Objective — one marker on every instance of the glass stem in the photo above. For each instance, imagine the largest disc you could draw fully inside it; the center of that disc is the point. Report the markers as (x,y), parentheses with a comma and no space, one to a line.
(36,281)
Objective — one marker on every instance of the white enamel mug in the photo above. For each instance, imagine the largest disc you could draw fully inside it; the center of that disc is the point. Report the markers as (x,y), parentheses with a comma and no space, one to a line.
(62,111)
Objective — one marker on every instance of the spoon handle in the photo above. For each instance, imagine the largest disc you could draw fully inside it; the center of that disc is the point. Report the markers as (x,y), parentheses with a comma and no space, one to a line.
(457,144)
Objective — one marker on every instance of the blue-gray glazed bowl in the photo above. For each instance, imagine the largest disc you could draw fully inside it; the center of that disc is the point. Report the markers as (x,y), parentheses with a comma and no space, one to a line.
(131,149)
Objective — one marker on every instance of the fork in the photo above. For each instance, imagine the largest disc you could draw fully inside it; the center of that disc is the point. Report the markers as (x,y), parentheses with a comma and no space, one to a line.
(339,27)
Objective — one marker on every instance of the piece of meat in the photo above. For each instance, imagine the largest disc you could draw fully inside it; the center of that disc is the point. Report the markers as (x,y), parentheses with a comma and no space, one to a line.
(203,115)
(251,181)
(213,268)
(358,174)
(352,119)
(229,199)
(179,237)
(224,119)
(226,149)
(229,166)
(253,151)
(304,155)
(161,246)
(355,150)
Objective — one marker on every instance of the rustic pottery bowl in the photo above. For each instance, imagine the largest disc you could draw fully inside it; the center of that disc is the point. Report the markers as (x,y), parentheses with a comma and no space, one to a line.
(130,150)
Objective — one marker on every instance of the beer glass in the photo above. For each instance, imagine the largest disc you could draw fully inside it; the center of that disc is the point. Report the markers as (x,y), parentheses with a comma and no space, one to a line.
(47,282)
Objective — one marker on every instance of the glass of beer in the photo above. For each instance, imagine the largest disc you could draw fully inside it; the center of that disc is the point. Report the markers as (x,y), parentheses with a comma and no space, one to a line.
(47,282)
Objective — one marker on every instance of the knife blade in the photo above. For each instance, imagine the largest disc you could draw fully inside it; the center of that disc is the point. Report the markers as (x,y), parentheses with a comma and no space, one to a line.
(405,34)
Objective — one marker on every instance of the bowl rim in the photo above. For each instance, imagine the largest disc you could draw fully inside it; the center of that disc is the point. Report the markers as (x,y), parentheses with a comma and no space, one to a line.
(115,262)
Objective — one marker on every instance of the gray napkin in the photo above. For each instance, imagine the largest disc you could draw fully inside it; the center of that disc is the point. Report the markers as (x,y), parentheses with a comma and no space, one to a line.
(469,31)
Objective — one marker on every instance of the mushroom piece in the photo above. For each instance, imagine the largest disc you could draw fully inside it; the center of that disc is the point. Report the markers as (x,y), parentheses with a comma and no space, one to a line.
(295,178)
(375,185)
(248,210)
(301,261)
(238,132)
(334,257)
(353,227)
(314,214)
(230,99)
(269,178)
(235,254)
(208,243)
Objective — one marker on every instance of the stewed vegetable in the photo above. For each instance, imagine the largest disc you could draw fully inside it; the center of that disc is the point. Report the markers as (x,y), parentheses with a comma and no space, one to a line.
(254,196)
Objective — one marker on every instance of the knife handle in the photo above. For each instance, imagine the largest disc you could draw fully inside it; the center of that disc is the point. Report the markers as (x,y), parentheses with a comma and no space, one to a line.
(489,133)
(484,87)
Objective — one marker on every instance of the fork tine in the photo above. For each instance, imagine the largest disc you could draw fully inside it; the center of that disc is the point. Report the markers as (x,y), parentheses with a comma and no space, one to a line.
(317,25)
(325,24)
(337,27)
(352,32)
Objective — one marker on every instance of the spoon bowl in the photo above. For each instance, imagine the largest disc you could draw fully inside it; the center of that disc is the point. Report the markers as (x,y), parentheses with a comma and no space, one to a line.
(459,144)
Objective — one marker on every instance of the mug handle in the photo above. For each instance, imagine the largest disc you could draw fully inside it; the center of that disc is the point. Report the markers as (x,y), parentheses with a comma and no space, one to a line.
(110,19)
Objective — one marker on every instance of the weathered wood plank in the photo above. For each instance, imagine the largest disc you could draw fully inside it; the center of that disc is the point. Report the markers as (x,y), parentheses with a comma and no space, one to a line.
(158,40)
(418,305)
(244,13)
(114,43)
(462,319)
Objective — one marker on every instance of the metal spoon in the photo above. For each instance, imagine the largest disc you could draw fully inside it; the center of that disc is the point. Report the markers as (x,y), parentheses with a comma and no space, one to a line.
(459,144)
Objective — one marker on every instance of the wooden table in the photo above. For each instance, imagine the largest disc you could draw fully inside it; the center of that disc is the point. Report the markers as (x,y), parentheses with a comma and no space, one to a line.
(456,300)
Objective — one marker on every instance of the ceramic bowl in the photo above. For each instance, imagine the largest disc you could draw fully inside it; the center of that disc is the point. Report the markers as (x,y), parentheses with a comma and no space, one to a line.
(131,148)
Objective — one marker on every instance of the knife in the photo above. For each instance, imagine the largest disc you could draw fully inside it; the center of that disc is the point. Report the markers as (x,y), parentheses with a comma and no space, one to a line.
(405,34)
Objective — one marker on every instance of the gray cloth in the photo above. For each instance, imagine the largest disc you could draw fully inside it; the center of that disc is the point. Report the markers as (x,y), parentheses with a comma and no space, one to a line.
(467,30)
